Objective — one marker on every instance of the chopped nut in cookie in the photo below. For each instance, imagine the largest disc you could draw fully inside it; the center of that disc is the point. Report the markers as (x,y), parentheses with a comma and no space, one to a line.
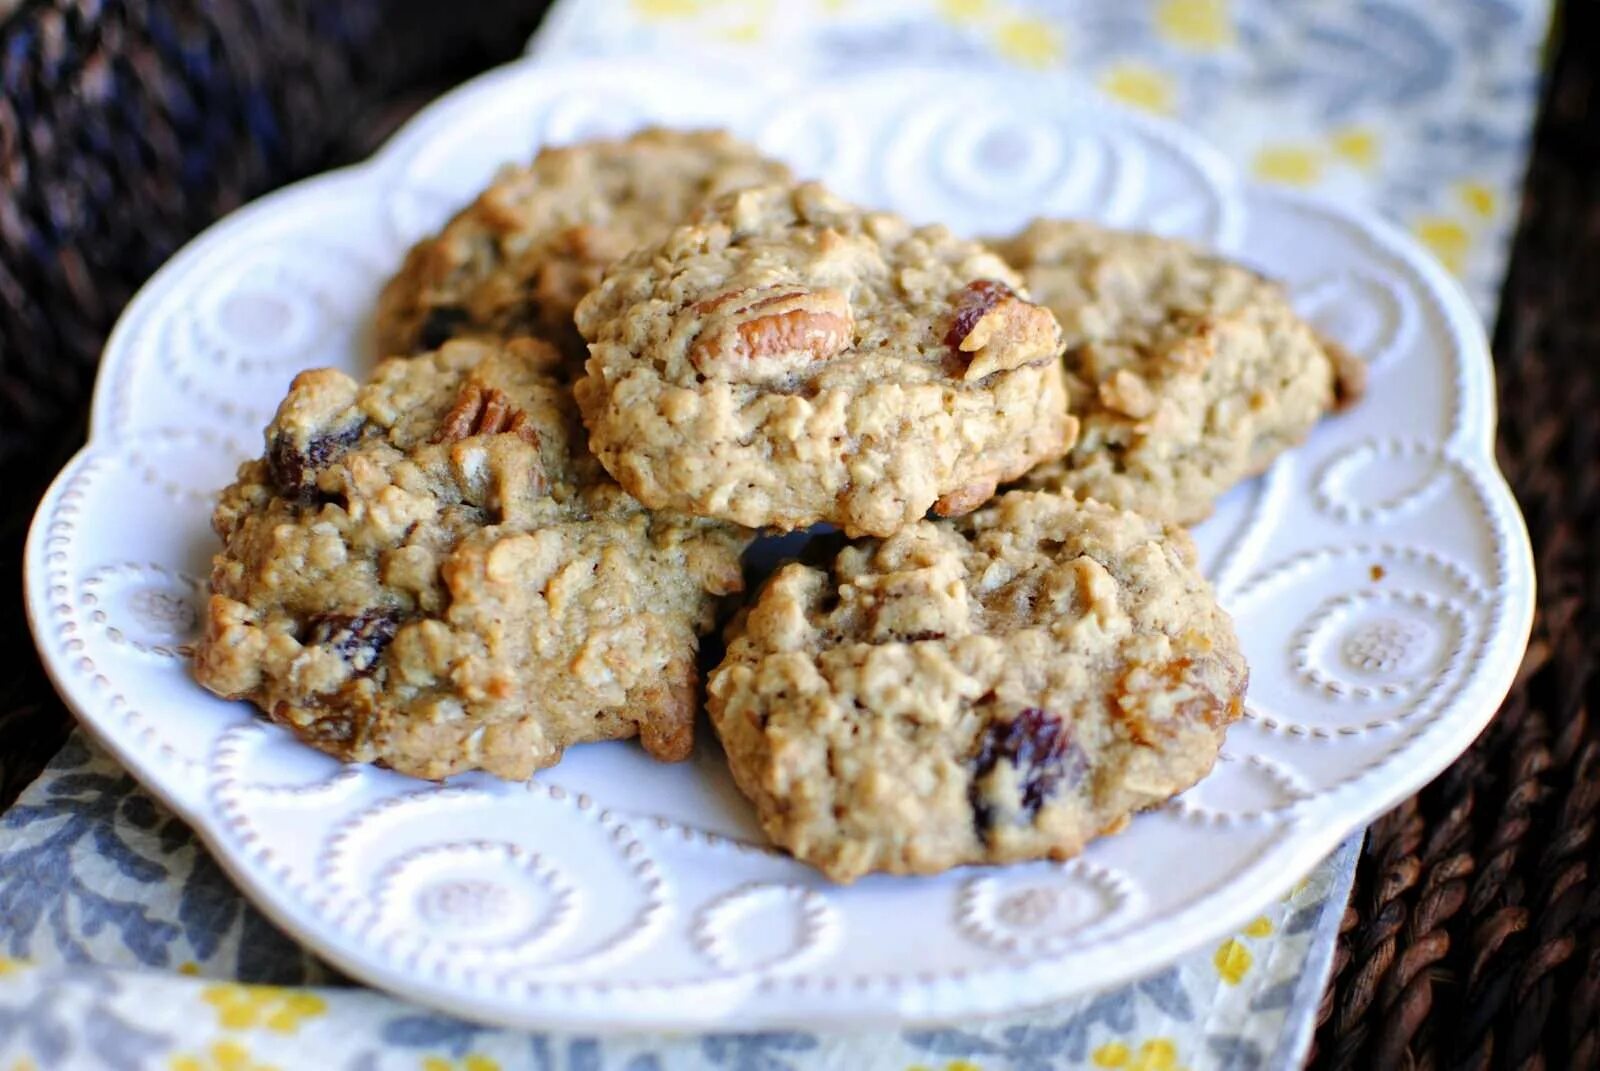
(399,622)
(1008,685)
(994,330)
(785,358)
(766,333)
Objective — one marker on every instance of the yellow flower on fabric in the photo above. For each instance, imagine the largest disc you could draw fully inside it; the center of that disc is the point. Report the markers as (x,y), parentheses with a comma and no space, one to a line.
(1139,85)
(222,1056)
(1448,240)
(963,10)
(1197,24)
(1260,926)
(10,966)
(1030,42)
(1157,1054)
(243,1007)
(1233,961)
(1480,199)
(1291,165)
(1356,146)
(743,33)
(667,9)
(472,1061)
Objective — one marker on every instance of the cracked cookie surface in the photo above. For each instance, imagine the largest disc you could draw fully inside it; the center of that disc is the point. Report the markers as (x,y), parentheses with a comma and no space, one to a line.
(1003,686)
(430,572)
(517,259)
(786,358)
(1187,372)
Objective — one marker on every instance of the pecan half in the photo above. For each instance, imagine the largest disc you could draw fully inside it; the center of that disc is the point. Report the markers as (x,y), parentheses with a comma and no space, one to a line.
(767,332)
(996,330)
(483,412)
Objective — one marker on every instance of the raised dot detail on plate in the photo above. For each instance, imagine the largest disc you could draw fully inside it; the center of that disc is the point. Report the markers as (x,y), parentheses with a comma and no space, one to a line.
(490,897)
(760,927)
(144,606)
(255,317)
(1378,479)
(1042,908)
(1371,317)
(1383,644)
(1239,789)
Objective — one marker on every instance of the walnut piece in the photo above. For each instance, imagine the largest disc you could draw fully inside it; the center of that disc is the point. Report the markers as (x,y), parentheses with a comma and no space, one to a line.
(998,331)
(1128,394)
(768,332)
(483,412)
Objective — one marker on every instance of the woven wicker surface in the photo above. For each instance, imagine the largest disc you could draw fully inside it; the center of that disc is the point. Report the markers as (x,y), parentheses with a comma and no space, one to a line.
(1473,938)
(1473,935)
(126,126)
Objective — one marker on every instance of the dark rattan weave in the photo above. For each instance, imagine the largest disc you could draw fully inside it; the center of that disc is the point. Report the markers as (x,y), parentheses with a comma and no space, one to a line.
(125,127)
(1473,938)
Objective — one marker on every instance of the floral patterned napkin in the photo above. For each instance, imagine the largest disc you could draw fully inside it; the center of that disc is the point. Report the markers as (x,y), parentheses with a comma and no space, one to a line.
(1420,109)
(122,945)
(140,954)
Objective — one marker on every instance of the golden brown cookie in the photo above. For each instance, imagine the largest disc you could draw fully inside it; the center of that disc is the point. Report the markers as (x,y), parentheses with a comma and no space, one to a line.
(516,260)
(428,571)
(787,358)
(1187,372)
(1004,686)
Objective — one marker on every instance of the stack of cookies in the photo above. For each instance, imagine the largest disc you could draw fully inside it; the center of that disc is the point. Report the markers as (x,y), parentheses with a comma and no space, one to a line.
(627,361)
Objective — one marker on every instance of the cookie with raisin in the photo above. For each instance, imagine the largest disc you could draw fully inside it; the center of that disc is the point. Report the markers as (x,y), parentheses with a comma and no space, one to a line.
(517,259)
(430,572)
(1187,372)
(787,358)
(1004,686)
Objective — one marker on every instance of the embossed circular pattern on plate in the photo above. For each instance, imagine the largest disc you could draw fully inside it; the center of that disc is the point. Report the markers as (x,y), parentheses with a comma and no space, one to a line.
(1035,911)
(1379,576)
(143,605)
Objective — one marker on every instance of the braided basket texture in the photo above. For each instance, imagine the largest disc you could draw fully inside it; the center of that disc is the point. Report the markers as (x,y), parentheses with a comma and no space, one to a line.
(125,127)
(1473,936)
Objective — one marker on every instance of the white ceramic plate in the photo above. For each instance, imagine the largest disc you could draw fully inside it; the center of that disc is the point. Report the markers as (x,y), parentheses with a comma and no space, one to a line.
(1380,577)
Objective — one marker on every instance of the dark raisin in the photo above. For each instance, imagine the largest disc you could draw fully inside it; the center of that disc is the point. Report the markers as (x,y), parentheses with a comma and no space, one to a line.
(1040,747)
(294,467)
(359,639)
(972,302)
(441,325)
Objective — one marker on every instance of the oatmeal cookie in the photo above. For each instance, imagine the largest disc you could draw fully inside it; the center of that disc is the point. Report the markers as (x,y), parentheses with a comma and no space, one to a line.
(516,260)
(1187,372)
(429,572)
(1002,687)
(786,358)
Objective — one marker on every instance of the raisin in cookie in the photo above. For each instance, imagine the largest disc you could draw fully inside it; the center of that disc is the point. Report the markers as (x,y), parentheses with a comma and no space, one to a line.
(517,259)
(786,359)
(1002,687)
(1187,372)
(429,572)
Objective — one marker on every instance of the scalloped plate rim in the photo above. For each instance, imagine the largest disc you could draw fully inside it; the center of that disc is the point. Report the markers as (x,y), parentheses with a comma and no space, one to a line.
(1318,827)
